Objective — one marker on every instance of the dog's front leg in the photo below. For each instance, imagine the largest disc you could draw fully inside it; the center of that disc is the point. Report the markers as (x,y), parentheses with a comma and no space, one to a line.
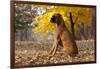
(55,44)
(51,50)
(54,48)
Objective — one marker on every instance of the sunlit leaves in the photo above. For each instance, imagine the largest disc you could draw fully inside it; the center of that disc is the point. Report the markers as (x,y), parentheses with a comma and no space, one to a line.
(79,15)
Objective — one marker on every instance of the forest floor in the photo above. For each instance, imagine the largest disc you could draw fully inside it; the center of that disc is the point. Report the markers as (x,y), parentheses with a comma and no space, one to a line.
(33,53)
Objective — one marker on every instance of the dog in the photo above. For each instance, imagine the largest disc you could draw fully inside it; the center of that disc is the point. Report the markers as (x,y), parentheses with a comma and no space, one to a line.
(62,37)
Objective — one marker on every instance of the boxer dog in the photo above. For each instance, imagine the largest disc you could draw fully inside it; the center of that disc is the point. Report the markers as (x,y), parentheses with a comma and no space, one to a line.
(62,37)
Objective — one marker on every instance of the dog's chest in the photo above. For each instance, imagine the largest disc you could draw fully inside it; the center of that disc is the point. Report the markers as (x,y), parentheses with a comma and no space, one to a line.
(65,36)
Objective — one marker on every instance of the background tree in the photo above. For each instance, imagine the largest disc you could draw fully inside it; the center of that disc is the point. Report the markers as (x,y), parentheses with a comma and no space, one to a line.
(78,20)
(25,14)
(73,16)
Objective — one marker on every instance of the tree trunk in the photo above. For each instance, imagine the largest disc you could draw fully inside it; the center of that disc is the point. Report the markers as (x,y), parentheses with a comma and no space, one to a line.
(72,25)
(26,36)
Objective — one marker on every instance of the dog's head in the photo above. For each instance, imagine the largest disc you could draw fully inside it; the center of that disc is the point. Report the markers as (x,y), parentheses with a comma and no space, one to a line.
(55,18)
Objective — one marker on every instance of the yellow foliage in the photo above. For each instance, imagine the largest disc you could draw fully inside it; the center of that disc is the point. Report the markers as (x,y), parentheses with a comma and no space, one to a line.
(82,15)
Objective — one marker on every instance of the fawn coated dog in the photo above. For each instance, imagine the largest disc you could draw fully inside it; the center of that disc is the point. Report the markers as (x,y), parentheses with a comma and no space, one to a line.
(62,37)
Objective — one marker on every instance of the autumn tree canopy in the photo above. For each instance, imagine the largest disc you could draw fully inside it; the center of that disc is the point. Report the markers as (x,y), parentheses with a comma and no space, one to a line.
(79,15)
(80,21)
